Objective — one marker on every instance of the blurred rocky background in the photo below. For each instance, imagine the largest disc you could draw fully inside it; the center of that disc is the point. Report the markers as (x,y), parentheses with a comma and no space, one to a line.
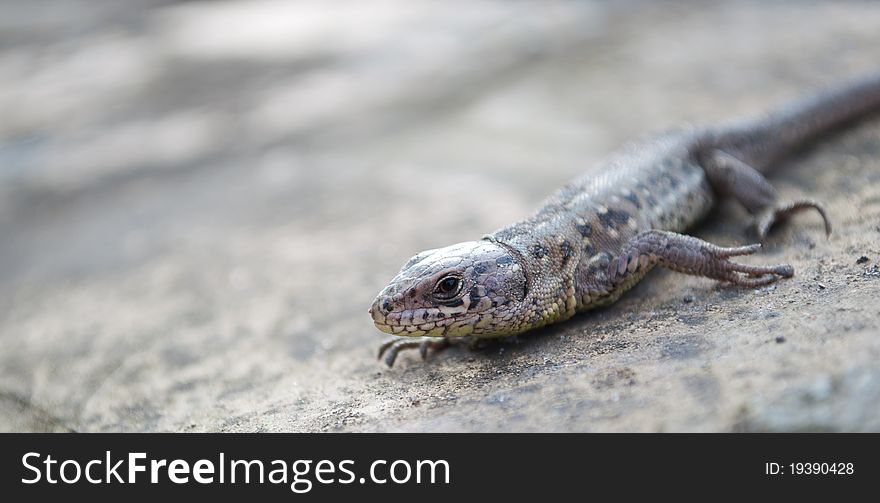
(199,200)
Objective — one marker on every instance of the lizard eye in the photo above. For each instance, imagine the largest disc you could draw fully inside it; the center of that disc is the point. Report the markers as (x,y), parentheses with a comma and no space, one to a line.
(447,288)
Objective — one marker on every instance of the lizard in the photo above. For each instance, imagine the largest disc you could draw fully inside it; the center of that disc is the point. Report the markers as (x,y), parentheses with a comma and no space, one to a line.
(599,235)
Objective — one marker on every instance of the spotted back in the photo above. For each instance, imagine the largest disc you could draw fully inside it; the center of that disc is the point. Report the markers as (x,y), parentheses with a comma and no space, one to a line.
(651,184)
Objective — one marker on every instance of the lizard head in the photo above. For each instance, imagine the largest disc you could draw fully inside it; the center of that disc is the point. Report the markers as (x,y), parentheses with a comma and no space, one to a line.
(475,287)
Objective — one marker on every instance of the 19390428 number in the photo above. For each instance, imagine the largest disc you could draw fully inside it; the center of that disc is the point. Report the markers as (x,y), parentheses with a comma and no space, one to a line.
(821,468)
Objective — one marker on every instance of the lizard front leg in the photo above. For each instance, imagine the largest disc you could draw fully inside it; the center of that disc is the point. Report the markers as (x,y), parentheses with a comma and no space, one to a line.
(693,256)
(392,347)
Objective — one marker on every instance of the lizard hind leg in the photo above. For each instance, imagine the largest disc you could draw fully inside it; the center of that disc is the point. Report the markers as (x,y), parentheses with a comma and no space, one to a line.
(693,256)
(769,216)
(731,176)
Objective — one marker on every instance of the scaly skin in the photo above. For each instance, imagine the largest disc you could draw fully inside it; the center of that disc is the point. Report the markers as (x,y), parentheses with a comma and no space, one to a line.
(598,236)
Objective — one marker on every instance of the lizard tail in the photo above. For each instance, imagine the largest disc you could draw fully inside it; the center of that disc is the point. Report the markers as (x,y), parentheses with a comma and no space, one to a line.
(765,142)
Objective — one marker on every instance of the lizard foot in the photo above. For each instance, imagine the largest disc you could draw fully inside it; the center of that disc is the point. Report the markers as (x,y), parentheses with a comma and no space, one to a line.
(744,274)
(768,217)
(691,255)
(391,348)
(731,176)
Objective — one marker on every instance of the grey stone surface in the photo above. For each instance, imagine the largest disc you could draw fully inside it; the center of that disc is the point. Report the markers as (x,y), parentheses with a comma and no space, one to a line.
(198,201)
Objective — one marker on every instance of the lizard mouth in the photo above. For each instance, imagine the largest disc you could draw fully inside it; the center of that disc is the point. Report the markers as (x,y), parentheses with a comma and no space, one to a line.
(422,322)
(412,330)
(459,328)
(431,322)
(442,328)
(408,330)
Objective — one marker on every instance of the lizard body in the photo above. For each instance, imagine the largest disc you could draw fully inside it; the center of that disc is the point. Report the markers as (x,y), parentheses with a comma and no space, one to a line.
(598,236)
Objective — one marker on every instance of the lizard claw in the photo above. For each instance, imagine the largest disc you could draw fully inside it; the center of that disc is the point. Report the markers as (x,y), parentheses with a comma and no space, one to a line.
(384,347)
(391,348)
(745,274)
(765,220)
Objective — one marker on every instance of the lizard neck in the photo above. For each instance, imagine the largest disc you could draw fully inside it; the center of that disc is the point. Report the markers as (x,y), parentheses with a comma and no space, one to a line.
(548,260)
